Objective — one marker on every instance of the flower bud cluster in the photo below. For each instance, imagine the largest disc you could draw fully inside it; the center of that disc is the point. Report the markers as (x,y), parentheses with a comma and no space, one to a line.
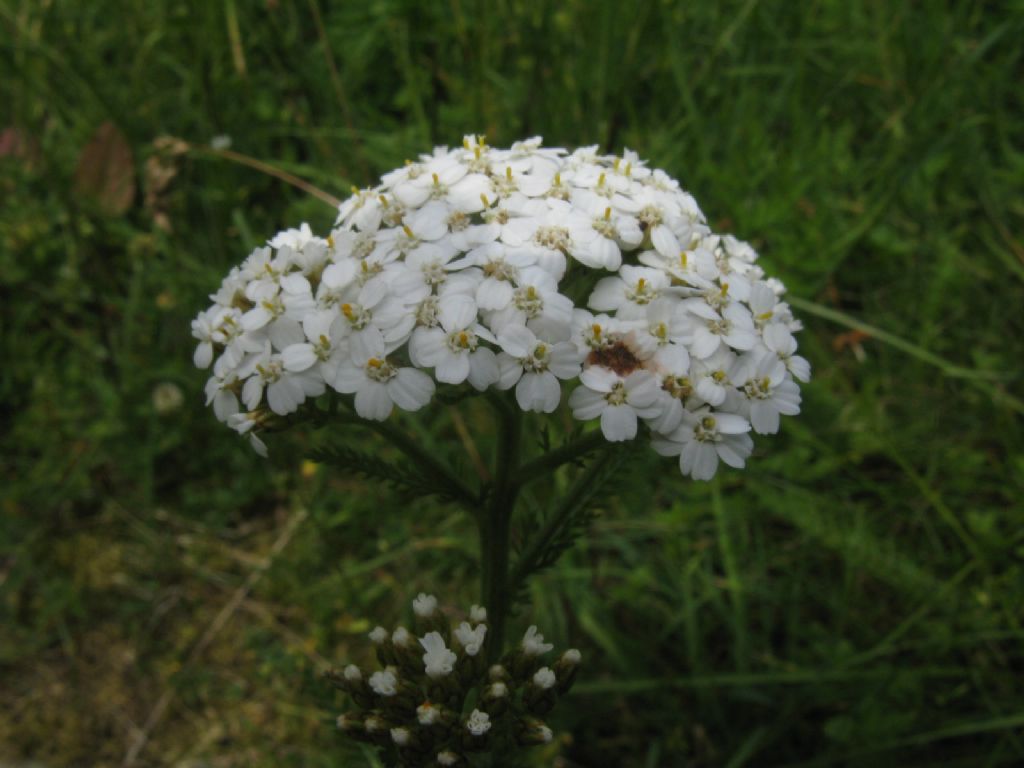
(436,700)
(520,268)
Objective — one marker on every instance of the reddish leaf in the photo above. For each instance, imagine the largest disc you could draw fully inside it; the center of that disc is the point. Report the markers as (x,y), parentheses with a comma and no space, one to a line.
(14,143)
(106,170)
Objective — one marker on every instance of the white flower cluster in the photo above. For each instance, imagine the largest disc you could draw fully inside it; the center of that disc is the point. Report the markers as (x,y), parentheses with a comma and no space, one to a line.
(467,266)
(438,698)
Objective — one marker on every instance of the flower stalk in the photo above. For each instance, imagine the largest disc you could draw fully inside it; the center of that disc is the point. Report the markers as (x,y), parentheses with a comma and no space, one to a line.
(495,526)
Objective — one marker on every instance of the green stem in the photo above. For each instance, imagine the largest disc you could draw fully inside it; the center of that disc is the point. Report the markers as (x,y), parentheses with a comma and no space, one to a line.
(549,462)
(495,525)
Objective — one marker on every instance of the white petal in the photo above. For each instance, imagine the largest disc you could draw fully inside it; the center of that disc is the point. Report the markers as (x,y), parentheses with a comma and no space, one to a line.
(252,392)
(349,378)
(509,371)
(411,389)
(298,357)
(367,343)
(665,242)
(203,355)
(373,401)
(517,340)
(705,462)
(483,368)
(493,294)
(538,392)
(284,332)
(618,423)
(427,346)
(608,294)
(564,361)
(599,379)
(456,312)
(705,343)
(452,368)
(764,417)
(340,274)
(586,404)
(731,424)
(281,397)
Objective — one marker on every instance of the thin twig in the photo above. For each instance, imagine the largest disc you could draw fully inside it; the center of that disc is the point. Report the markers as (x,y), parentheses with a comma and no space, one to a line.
(270,170)
(156,715)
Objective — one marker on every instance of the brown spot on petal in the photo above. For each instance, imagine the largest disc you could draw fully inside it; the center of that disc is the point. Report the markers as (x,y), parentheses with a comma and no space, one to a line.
(618,357)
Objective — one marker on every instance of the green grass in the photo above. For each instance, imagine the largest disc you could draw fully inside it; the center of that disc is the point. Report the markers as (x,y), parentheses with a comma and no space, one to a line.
(854,598)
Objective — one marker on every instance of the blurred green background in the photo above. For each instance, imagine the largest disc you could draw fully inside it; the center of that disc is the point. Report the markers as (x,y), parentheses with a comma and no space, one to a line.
(854,598)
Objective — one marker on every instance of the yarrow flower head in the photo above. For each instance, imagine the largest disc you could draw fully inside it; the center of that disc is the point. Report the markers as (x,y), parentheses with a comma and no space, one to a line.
(457,271)
(446,703)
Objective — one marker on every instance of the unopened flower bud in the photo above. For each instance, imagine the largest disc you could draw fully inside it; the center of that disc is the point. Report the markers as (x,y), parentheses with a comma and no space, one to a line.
(427,713)
(401,736)
(495,699)
(382,643)
(351,681)
(565,669)
(532,731)
(428,617)
(498,673)
(348,723)
(377,729)
(407,652)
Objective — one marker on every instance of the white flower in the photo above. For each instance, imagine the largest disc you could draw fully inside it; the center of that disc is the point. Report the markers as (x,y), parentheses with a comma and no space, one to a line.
(447,757)
(454,349)
(400,736)
(378,635)
(617,399)
(544,678)
(352,673)
(401,637)
(779,340)
(438,660)
(768,392)
(735,328)
(379,385)
(534,367)
(533,643)
(477,613)
(424,605)
(703,438)
(460,267)
(631,292)
(478,723)
(572,657)
(472,639)
(384,682)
